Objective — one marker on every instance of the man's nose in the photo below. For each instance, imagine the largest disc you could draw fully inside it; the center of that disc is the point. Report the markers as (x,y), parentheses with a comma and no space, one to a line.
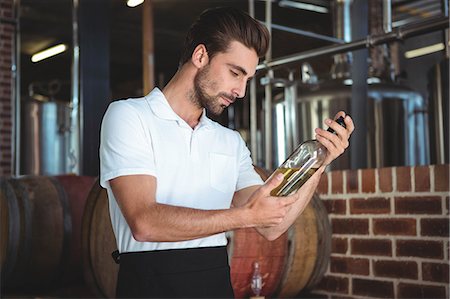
(239,91)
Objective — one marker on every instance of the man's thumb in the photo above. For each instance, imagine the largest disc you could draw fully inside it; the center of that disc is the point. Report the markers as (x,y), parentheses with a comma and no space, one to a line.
(274,180)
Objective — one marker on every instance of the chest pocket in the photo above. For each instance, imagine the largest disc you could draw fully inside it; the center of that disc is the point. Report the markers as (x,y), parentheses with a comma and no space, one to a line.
(222,172)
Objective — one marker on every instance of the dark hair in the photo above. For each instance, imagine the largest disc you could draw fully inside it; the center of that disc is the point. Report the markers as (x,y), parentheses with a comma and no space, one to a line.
(216,28)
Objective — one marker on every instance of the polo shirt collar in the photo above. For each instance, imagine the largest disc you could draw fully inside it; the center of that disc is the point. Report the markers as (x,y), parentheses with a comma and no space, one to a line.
(161,108)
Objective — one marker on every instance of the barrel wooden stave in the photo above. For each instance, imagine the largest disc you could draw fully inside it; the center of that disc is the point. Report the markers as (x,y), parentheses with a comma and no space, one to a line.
(77,189)
(302,240)
(98,242)
(323,243)
(10,226)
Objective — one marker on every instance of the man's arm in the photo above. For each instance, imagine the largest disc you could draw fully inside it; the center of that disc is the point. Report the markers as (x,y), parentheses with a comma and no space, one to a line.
(152,221)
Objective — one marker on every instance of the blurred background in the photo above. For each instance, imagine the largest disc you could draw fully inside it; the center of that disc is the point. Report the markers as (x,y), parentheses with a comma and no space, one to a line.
(384,62)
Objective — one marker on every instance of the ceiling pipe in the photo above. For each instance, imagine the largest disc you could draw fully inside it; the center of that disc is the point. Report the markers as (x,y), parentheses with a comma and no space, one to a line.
(397,34)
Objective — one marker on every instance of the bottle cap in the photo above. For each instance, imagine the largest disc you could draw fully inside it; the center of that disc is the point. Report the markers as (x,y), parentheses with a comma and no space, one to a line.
(340,121)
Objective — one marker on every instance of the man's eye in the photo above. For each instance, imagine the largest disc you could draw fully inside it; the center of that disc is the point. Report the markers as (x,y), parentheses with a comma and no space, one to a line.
(234,73)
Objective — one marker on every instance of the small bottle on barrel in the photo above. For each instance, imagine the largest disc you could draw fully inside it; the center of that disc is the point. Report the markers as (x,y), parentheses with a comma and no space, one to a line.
(302,164)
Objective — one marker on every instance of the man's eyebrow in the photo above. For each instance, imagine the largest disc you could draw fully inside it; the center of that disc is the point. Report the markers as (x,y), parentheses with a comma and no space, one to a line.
(239,68)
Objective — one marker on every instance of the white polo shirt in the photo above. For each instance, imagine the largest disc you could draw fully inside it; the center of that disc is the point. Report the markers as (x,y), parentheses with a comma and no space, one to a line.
(198,168)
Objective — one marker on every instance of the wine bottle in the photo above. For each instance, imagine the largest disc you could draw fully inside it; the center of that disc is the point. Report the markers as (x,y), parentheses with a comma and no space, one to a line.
(302,164)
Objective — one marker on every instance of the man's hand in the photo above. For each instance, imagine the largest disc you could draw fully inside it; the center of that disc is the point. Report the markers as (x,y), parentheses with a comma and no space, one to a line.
(337,142)
(265,210)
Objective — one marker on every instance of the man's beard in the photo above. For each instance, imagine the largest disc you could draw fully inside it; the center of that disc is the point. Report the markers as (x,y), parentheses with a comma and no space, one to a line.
(201,98)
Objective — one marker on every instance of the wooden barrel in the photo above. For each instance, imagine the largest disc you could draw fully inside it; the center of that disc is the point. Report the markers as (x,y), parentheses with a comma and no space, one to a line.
(38,232)
(41,231)
(309,249)
(10,228)
(98,242)
(77,189)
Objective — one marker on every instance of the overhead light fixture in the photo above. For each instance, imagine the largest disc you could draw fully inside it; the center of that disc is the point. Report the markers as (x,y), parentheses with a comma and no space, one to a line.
(52,51)
(425,50)
(134,3)
(304,6)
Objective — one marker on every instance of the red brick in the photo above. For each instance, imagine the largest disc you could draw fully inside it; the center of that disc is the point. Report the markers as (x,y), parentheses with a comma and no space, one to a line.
(385,179)
(403,178)
(418,205)
(420,248)
(422,178)
(339,245)
(368,180)
(337,182)
(349,265)
(395,227)
(322,188)
(447,205)
(378,247)
(352,181)
(335,206)
(435,272)
(350,226)
(395,269)
(334,284)
(407,290)
(441,177)
(373,288)
(370,206)
(438,227)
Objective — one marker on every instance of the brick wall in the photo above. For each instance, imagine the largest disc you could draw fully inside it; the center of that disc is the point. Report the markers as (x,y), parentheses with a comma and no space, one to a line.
(390,233)
(7,30)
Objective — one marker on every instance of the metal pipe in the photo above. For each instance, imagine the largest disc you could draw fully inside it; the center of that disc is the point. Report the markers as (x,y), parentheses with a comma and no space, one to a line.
(387,16)
(400,33)
(75,146)
(15,94)
(308,34)
(440,150)
(446,38)
(253,104)
(268,96)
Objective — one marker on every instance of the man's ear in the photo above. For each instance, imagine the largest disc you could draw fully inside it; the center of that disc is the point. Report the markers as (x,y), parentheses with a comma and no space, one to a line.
(200,56)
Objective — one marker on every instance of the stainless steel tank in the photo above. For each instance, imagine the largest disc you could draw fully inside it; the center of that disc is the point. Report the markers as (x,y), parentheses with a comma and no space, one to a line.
(45,137)
(397,121)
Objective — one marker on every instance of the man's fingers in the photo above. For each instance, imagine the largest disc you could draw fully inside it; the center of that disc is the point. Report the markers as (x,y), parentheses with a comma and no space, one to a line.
(273,181)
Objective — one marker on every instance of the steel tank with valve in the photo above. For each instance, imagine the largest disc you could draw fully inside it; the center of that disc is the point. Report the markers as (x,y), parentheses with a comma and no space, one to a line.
(397,121)
(45,137)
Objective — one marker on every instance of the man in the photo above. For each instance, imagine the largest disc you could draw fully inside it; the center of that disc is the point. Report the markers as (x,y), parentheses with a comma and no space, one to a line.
(177,181)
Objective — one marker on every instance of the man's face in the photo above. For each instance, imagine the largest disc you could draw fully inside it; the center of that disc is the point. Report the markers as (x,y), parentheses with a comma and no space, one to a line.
(224,79)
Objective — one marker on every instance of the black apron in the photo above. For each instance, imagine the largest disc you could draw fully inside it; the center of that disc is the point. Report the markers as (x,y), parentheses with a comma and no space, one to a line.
(175,273)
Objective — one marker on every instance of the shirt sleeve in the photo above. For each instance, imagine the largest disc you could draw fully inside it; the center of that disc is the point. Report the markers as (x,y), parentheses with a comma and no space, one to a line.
(247,175)
(125,143)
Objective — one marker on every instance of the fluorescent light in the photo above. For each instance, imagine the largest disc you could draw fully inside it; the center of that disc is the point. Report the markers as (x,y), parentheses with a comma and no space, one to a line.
(304,6)
(134,3)
(425,50)
(52,51)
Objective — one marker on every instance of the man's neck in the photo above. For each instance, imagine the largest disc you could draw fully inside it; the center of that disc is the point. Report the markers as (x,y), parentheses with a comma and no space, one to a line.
(178,92)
